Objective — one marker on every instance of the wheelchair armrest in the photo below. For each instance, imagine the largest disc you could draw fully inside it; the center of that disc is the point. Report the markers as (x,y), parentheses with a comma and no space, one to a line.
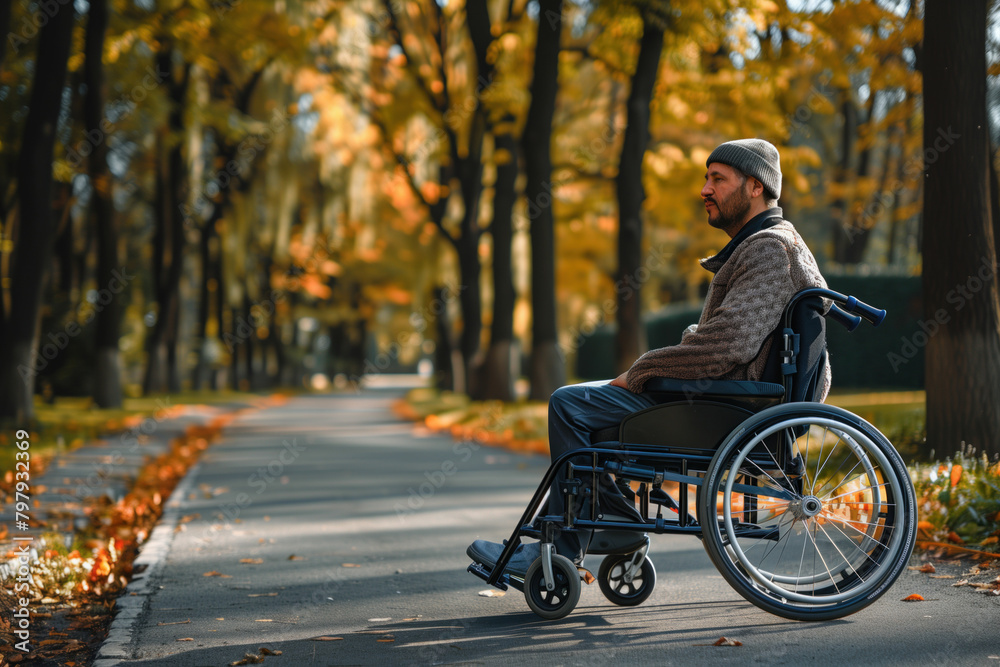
(694,388)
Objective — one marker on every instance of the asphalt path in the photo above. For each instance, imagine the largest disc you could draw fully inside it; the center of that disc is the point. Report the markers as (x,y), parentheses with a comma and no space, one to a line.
(330,518)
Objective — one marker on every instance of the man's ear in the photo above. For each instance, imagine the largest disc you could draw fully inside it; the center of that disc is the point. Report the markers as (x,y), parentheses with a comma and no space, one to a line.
(756,188)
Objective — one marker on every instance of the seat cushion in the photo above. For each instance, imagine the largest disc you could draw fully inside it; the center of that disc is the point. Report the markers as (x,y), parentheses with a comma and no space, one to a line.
(692,388)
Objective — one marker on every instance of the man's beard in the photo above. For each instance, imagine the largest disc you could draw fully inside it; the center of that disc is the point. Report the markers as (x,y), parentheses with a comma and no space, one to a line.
(732,210)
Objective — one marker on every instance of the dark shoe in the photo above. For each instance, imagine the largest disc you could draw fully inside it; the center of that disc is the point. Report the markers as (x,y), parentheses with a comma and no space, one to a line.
(488,553)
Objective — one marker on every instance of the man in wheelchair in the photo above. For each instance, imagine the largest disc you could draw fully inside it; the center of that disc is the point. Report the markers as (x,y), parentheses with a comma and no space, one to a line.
(755,275)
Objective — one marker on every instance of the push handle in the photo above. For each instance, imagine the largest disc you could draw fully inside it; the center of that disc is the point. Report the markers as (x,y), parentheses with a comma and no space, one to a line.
(870,313)
(841,316)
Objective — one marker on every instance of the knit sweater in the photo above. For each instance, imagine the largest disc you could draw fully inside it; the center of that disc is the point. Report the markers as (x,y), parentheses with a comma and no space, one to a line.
(742,309)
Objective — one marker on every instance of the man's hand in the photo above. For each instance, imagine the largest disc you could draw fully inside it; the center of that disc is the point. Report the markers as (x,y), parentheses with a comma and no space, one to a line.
(620,381)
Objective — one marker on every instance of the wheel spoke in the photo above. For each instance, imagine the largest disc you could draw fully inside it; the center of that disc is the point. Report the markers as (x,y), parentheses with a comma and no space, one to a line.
(860,461)
(887,529)
(777,486)
(784,543)
(822,465)
(802,556)
(866,554)
(812,537)
(841,553)
(805,461)
(867,488)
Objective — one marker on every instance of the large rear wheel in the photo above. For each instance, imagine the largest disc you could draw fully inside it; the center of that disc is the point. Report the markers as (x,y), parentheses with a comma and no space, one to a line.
(809,512)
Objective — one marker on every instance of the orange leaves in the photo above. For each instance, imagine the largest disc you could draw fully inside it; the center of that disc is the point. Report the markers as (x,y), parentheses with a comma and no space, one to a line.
(723,641)
(102,566)
(915,597)
(726,641)
(430,191)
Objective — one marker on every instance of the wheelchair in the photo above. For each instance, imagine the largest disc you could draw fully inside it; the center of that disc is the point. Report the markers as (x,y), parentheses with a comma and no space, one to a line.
(806,509)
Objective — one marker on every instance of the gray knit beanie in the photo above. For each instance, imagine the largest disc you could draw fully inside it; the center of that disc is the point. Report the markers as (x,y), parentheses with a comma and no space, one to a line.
(754,157)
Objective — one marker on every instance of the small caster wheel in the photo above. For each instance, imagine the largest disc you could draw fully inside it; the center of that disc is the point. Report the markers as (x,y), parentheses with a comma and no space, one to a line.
(562,599)
(611,578)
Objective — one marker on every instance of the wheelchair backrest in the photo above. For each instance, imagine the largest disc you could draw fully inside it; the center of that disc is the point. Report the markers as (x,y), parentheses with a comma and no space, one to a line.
(808,323)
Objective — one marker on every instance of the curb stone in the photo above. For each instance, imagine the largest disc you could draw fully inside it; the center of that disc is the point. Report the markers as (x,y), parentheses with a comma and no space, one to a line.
(131,605)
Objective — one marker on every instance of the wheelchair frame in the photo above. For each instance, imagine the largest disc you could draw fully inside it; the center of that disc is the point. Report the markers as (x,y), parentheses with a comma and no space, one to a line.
(762,474)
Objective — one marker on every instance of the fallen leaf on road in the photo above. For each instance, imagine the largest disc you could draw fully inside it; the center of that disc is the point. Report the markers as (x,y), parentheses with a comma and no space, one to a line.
(942,576)
(251,561)
(350,565)
(961,582)
(186,639)
(264,620)
(412,618)
(490,593)
(294,557)
(248,659)
(927,568)
(916,597)
(326,638)
(390,639)
(266,651)
(994,591)
(213,573)
(722,641)
(262,595)
(176,622)
(379,620)
(588,578)
(725,641)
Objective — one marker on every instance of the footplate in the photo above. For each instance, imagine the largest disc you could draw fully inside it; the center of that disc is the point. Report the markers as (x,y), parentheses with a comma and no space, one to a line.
(503,582)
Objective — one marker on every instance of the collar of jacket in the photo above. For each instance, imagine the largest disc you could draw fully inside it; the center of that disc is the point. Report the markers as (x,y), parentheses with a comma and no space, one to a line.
(763,220)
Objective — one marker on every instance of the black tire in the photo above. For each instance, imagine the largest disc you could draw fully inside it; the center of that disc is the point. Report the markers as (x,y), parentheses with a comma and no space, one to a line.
(560,601)
(611,578)
(822,539)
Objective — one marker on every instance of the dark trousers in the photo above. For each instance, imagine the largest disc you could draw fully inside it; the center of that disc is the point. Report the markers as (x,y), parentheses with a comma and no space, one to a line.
(575,411)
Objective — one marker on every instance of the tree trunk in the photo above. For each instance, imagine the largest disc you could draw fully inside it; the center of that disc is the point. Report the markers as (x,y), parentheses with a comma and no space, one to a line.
(959,276)
(19,329)
(630,340)
(470,170)
(548,367)
(108,382)
(168,239)
(5,8)
(470,174)
(839,206)
(447,360)
(200,373)
(857,221)
(503,359)
(994,199)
